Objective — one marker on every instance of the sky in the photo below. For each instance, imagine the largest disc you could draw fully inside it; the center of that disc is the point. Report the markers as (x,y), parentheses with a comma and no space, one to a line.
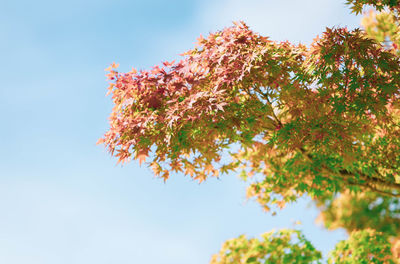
(63,199)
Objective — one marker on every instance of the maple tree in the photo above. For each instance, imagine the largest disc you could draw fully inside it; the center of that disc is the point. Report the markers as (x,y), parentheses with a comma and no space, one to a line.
(321,120)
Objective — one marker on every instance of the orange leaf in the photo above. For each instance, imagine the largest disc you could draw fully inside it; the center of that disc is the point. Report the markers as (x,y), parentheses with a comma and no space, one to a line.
(141,158)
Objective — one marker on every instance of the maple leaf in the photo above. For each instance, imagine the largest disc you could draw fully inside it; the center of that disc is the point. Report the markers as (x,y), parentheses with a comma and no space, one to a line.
(157,169)
(200,177)
(167,64)
(112,66)
(142,155)
(190,170)
(154,102)
(165,175)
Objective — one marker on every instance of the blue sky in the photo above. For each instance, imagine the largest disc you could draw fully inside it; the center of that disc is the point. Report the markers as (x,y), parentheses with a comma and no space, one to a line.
(63,199)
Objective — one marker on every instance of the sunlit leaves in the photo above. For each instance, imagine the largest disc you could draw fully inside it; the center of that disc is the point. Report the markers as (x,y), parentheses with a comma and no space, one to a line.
(317,120)
(366,246)
(188,112)
(358,5)
(307,119)
(384,27)
(290,246)
(280,247)
(361,211)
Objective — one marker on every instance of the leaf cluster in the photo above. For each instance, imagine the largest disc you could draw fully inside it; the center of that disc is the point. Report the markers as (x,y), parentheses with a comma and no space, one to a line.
(278,247)
(290,246)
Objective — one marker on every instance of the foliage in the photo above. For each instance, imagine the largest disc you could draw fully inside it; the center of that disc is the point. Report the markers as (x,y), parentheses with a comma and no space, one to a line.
(361,211)
(309,120)
(357,5)
(363,247)
(290,246)
(280,247)
(383,27)
(321,120)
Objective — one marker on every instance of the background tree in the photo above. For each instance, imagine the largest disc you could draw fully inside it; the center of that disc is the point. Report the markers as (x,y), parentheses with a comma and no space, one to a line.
(322,120)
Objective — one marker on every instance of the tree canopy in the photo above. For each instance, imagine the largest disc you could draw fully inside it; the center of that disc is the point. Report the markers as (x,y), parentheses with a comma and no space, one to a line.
(321,120)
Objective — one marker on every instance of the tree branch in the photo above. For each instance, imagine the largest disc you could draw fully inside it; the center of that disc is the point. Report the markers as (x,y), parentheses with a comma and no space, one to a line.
(372,183)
